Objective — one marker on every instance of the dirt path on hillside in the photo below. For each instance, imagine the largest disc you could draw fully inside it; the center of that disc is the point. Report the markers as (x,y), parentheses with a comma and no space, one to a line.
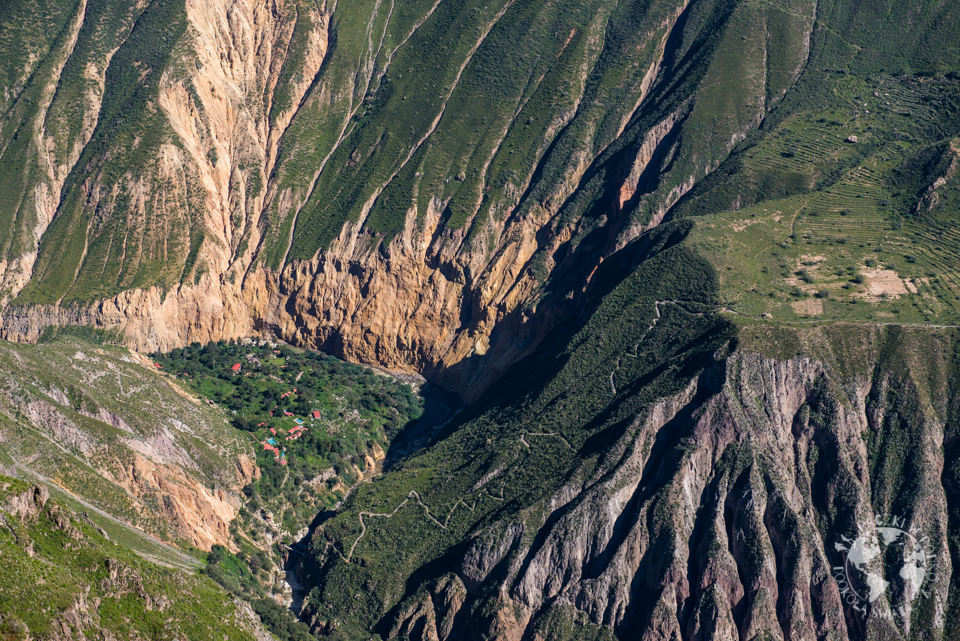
(187,562)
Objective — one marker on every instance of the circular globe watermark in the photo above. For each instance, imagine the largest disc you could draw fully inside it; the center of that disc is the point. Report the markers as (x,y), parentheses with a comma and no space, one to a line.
(889,559)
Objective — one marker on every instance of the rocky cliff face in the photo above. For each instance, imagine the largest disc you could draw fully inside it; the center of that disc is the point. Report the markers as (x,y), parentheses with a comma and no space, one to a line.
(492,193)
(220,211)
(183,209)
(364,178)
(745,506)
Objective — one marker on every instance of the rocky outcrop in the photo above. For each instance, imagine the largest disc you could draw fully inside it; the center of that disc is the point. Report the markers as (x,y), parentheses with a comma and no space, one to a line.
(931,196)
(435,616)
(148,320)
(717,568)
(200,516)
(28,504)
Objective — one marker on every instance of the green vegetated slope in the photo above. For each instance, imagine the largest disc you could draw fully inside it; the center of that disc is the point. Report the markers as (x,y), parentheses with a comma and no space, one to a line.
(598,490)
(798,222)
(318,425)
(34,37)
(93,419)
(486,109)
(89,114)
(494,108)
(840,205)
(89,148)
(64,576)
(145,232)
(552,418)
(844,209)
(154,468)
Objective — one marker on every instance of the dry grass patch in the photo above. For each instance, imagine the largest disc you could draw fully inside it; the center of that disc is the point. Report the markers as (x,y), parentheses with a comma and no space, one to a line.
(884,282)
(808,306)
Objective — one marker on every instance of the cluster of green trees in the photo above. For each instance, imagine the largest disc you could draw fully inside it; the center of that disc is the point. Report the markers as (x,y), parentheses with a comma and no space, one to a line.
(262,391)
(266,378)
(281,621)
(231,572)
(360,410)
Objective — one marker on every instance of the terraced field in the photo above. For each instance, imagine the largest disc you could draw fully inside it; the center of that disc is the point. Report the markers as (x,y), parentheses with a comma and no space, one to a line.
(852,211)
(805,142)
(850,243)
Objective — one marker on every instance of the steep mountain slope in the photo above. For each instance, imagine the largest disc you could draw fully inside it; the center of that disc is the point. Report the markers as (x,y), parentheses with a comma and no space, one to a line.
(170,460)
(64,578)
(96,422)
(393,182)
(142,130)
(667,475)
(658,246)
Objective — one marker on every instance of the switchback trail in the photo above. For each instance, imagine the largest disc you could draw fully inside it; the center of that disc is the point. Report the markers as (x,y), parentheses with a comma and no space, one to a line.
(426,511)
(656,319)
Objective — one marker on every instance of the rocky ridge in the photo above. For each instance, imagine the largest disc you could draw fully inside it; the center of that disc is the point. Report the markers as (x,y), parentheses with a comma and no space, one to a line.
(724,511)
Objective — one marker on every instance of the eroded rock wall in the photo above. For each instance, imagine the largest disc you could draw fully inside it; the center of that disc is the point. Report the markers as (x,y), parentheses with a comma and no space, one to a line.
(205,247)
(722,514)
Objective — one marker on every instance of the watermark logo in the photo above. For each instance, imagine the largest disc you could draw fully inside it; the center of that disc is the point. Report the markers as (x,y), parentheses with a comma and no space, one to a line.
(890,559)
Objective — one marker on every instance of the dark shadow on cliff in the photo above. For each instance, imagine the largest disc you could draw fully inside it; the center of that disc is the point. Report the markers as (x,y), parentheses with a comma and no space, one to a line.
(525,344)
(441,410)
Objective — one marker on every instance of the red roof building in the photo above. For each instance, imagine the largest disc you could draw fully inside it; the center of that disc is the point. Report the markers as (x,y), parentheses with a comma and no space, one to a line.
(316,413)
(236,367)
